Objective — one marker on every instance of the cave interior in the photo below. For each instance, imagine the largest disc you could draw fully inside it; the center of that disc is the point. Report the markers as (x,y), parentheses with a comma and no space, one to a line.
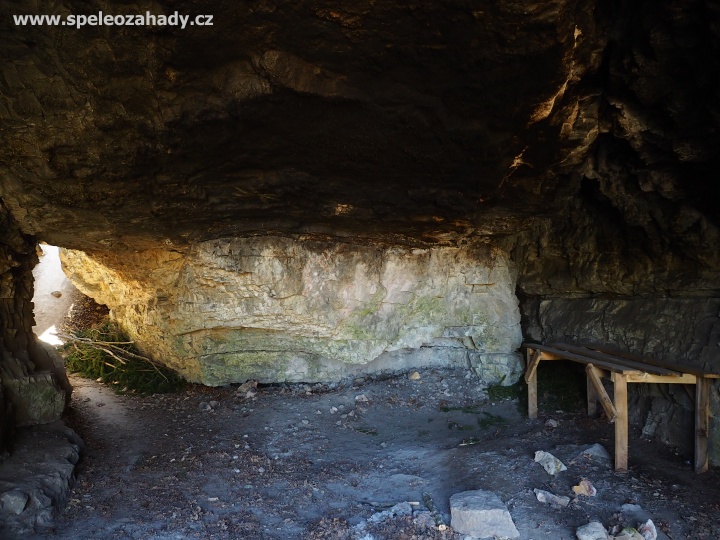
(355,187)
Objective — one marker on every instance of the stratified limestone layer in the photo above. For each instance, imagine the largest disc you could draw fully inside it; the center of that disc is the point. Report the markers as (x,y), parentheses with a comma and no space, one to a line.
(278,309)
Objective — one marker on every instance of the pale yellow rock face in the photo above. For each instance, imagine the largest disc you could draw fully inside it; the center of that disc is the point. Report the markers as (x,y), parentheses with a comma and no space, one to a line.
(280,309)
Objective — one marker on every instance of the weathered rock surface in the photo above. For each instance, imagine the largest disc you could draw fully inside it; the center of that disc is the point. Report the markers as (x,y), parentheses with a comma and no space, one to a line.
(415,120)
(38,399)
(632,259)
(481,514)
(36,480)
(33,386)
(281,309)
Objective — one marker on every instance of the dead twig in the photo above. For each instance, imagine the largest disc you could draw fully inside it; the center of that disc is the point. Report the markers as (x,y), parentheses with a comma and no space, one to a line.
(113,349)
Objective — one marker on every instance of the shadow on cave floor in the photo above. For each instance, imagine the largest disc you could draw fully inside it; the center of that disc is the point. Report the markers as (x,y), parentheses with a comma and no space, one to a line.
(316,462)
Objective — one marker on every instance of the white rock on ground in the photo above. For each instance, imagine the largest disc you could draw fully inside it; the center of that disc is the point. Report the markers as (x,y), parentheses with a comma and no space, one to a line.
(550,498)
(549,462)
(592,531)
(481,514)
(648,530)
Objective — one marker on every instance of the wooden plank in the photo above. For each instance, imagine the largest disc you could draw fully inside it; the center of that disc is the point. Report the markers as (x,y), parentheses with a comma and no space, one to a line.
(621,422)
(702,421)
(532,383)
(582,359)
(610,410)
(599,355)
(654,361)
(686,378)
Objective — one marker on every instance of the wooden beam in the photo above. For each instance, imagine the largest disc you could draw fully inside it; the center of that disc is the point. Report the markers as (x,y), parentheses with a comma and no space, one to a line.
(621,421)
(615,359)
(533,359)
(532,364)
(594,379)
(655,362)
(685,378)
(550,352)
(551,356)
(702,419)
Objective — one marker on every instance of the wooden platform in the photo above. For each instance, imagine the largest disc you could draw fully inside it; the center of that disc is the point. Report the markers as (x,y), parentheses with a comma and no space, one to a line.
(622,369)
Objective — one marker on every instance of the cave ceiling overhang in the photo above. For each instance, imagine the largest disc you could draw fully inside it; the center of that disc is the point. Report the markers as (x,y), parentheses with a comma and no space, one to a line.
(420,122)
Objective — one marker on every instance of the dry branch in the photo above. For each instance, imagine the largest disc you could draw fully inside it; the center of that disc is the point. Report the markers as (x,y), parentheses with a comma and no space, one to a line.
(113,349)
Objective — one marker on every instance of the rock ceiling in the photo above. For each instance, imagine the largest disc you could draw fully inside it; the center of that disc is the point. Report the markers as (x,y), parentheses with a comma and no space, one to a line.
(401,121)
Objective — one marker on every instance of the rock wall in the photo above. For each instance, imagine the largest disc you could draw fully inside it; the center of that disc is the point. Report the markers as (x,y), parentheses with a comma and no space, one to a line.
(638,273)
(280,309)
(33,386)
(628,255)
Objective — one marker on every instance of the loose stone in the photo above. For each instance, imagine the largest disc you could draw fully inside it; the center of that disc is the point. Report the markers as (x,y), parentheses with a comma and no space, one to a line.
(481,514)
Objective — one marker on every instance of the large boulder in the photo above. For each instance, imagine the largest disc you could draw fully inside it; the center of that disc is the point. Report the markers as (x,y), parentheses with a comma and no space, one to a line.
(282,309)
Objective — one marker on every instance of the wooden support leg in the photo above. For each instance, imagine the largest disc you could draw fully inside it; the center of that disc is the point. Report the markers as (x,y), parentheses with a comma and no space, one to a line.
(621,421)
(592,397)
(533,358)
(702,419)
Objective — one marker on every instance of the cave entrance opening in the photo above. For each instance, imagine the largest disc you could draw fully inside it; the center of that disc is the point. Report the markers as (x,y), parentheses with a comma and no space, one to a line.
(54,295)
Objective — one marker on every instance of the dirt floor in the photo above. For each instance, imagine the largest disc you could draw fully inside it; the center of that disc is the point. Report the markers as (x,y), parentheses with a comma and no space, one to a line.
(317,461)
(330,461)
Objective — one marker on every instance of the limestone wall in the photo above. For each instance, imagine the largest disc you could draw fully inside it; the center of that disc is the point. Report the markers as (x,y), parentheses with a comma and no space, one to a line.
(33,386)
(280,309)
